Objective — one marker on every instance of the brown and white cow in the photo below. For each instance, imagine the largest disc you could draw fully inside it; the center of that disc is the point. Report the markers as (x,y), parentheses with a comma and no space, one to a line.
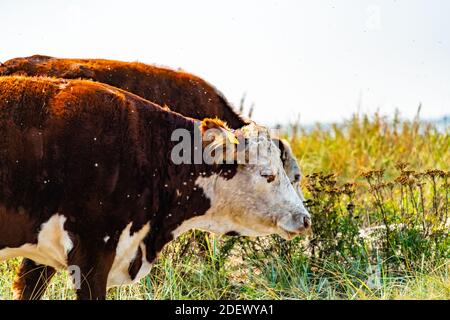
(182,92)
(87,180)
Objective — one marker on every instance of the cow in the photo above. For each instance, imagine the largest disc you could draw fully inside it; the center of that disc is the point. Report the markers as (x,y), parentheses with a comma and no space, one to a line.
(290,164)
(183,92)
(180,91)
(88,181)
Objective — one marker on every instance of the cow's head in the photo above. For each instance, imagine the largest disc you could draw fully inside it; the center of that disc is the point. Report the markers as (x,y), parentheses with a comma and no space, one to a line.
(259,198)
(290,164)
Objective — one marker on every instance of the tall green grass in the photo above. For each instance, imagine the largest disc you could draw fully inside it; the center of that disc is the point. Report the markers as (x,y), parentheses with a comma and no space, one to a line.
(378,192)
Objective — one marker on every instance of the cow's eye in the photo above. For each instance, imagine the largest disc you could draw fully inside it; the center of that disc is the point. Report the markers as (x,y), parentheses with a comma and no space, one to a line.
(268,177)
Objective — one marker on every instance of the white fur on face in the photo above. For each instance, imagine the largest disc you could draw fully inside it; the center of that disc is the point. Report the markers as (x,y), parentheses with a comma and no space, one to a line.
(248,203)
(126,251)
(291,167)
(52,247)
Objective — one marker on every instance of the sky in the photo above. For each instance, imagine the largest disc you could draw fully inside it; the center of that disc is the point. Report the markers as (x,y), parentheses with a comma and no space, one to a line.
(317,61)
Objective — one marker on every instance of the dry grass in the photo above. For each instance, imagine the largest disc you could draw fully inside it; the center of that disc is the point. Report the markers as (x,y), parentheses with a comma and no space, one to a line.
(379,195)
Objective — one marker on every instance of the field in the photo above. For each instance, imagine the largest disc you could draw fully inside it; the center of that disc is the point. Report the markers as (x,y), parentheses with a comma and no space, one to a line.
(378,192)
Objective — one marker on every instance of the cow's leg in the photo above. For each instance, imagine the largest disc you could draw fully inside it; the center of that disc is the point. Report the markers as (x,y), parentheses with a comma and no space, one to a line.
(31,280)
(93,285)
(94,269)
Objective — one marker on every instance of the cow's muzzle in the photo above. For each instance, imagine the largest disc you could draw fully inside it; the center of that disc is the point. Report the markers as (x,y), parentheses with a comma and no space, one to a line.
(292,225)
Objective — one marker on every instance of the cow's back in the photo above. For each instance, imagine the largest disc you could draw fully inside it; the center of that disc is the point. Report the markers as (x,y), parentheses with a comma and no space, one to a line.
(70,147)
(180,91)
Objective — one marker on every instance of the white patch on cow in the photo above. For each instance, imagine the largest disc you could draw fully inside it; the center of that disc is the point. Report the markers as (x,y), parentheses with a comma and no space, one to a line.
(52,247)
(218,225)
(291,167)
(290,162)
(221,218)
(105,239)
(248,203)
(126,251)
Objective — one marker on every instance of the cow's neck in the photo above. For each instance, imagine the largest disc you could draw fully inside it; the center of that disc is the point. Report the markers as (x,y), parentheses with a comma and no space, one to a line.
(176,198)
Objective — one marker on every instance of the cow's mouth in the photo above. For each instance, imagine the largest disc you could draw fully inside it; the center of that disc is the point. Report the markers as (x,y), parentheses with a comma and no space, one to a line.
(288,235)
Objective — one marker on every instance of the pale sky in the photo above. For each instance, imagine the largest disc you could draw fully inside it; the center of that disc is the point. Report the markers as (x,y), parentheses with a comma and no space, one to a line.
(317,59)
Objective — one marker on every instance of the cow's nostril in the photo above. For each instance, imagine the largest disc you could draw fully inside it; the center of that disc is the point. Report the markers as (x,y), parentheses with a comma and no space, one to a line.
(297,178)
(306,222)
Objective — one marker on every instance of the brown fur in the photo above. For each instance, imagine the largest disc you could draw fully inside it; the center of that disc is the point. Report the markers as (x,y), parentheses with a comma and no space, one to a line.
(180,91)
(47,157)
(31,280)
(213,123)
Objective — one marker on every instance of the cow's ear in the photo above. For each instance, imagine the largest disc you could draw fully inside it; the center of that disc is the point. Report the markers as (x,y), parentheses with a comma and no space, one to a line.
(281,144)
(209,123)
(216,129)
(218,140)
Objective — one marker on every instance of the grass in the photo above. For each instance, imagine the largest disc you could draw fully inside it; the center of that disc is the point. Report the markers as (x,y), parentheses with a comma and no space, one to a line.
(378,192)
